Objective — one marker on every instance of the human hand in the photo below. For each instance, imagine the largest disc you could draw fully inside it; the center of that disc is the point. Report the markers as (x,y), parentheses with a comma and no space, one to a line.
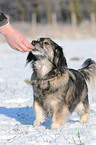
(15,39)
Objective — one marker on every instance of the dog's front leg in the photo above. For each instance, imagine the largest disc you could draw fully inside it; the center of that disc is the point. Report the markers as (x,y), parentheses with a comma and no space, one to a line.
(59,117)
(56,121)
(39,114)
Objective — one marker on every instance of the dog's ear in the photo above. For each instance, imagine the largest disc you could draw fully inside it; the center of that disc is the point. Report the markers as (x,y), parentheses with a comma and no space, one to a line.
(30,57)
(59,59)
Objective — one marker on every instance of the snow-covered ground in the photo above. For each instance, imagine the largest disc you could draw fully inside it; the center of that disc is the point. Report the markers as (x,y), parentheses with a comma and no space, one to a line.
(16,99)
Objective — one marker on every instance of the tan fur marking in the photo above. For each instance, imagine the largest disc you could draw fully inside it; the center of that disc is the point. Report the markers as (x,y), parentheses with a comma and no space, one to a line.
(39,113)
(81,111)
(59,118)
(84,118)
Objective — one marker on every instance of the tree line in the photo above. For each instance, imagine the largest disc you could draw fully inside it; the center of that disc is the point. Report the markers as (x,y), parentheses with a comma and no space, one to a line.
(47,11)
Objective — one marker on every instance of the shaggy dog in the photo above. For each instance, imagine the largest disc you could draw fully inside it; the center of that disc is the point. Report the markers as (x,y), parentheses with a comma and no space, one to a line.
(58,90)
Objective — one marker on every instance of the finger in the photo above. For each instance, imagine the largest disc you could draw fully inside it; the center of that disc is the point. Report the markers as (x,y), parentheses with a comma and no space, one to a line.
(28,45)
(19,49)
(23,47)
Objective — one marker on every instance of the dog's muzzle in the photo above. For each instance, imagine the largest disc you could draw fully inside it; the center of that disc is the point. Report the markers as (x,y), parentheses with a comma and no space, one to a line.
(34,42)
(38,48)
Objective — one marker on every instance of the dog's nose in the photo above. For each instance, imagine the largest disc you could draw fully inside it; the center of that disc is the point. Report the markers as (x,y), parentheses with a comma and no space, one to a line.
(33,42)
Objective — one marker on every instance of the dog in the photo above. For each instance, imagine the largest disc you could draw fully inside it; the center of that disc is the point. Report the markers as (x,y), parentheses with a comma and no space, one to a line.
(58,90)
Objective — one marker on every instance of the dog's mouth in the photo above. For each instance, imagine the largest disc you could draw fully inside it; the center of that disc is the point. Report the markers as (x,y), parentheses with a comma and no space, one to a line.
(38,48)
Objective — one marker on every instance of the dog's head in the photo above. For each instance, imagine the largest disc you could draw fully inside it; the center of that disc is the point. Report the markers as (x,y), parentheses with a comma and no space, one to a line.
(47,53)
(46,48)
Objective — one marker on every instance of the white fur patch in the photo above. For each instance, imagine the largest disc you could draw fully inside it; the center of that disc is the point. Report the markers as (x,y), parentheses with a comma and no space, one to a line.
(80,109)
(42,67)
(39,113)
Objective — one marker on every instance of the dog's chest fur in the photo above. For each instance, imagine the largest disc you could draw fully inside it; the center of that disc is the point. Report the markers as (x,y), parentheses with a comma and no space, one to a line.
(42,67)
(48,93)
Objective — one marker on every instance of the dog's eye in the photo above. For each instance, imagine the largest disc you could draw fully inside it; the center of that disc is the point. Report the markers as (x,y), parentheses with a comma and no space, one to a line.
(46,43)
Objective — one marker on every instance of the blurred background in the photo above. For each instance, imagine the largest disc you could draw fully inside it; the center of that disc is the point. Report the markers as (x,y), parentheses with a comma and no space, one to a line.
(67,19)
(72,24)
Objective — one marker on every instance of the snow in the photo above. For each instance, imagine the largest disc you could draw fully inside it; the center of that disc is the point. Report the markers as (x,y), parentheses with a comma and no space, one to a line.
(16,101)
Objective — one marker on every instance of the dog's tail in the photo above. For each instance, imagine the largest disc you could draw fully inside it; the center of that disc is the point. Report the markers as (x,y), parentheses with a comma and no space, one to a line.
(89,70)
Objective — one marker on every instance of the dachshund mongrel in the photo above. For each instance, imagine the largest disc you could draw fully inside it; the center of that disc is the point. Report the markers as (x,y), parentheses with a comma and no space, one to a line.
(58,90)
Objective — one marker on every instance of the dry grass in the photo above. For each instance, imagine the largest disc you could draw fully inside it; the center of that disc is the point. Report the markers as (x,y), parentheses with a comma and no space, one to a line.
(60,31)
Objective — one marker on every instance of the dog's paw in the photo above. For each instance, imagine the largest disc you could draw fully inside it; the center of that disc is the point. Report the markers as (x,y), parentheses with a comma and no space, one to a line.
(55,125)
(37,122)
(84,118)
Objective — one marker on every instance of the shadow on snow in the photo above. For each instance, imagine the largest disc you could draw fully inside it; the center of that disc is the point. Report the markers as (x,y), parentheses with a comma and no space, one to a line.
(26,116)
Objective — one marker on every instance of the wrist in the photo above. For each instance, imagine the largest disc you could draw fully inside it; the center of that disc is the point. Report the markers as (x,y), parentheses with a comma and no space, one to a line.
(6,29)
